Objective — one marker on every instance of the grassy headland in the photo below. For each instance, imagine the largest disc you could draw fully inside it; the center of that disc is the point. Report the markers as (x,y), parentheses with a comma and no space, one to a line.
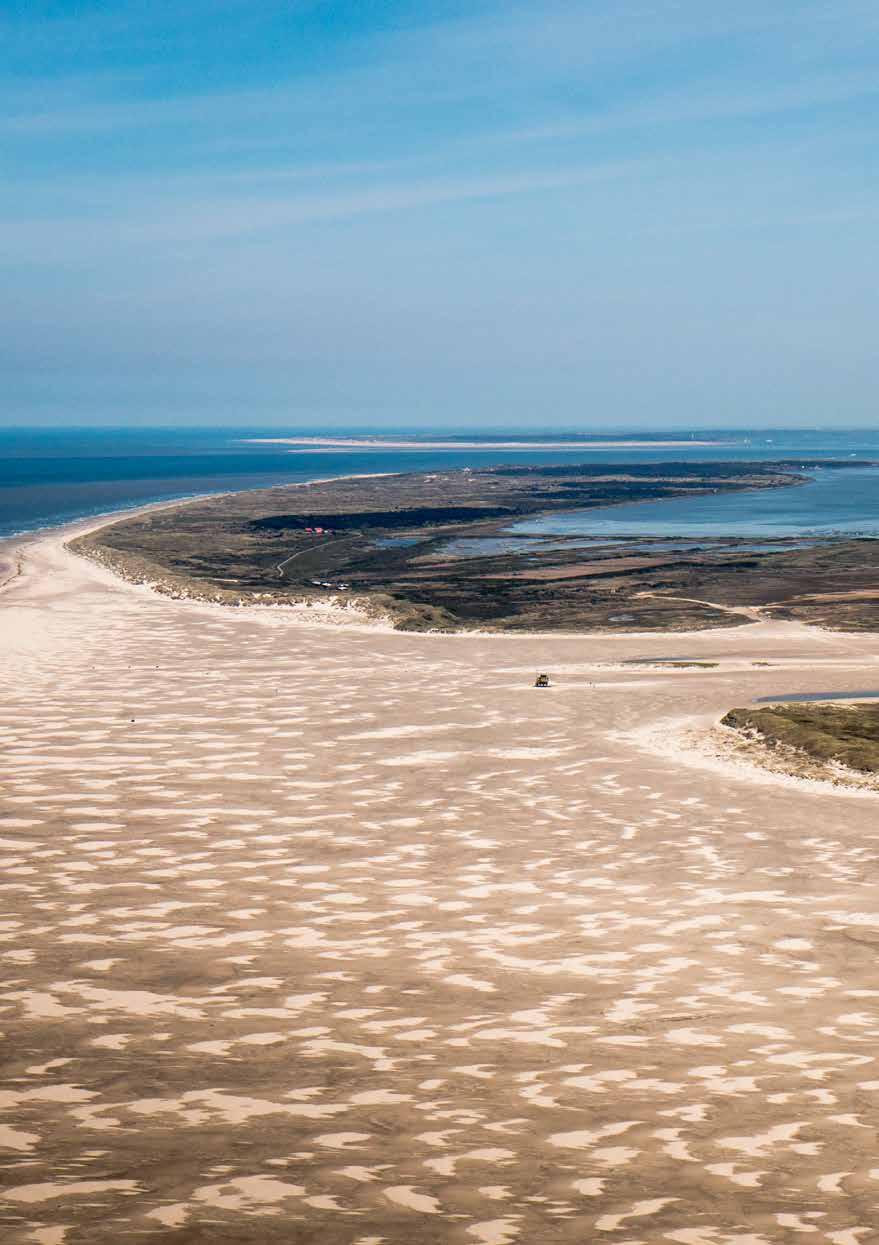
(832,735)
(392,545)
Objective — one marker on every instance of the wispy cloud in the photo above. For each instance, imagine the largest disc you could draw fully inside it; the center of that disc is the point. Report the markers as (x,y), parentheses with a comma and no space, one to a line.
(537,180)
(211,218)
(714,101)
(532,58)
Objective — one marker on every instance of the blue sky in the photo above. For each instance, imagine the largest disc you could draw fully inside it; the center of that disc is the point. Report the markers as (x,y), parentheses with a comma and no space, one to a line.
(639,214)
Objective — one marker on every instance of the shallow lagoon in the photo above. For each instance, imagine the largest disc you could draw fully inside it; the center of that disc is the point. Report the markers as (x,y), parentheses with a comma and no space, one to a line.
(835,502)
(494,546)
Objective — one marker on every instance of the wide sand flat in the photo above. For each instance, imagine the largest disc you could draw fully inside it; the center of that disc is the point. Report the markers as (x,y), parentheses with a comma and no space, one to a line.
(356,938)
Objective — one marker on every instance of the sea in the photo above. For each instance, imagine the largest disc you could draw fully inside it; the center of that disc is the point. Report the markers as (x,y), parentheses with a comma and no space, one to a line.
(50,477)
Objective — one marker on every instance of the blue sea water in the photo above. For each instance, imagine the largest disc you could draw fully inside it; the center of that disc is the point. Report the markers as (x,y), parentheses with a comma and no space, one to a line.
(53,476)
(834,502)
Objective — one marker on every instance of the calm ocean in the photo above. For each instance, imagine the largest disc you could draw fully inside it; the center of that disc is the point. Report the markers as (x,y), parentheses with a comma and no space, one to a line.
(49,476)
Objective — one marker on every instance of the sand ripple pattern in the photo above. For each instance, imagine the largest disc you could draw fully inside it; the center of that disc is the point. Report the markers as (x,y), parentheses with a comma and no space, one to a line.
(357,939)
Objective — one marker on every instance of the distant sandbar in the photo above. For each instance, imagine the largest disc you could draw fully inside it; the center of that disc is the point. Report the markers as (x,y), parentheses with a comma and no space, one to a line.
(376,443)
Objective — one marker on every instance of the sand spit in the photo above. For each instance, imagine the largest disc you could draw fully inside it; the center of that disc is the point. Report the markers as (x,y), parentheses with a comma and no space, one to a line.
(329,611)
(349,937)
(710,744)
(380,443)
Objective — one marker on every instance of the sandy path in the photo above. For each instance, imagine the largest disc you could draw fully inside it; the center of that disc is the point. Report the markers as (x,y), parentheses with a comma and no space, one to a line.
(753,612)
(346,937)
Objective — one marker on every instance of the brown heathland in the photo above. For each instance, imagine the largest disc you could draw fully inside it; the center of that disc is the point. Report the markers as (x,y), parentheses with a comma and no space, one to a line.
(382,545)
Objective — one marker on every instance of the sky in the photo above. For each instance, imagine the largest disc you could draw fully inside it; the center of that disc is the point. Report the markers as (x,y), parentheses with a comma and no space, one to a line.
(619,213)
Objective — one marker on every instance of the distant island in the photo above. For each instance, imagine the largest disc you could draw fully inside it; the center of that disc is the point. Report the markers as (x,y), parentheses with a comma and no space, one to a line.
(440,551)
(413,443)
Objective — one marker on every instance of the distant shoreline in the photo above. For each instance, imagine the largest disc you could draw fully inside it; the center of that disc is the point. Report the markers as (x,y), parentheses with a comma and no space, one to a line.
(376,443)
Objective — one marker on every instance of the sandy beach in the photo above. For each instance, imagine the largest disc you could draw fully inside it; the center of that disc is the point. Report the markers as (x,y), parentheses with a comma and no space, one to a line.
(336,935)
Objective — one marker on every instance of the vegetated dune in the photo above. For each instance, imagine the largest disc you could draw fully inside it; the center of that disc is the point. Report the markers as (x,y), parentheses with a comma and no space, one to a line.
(845,735)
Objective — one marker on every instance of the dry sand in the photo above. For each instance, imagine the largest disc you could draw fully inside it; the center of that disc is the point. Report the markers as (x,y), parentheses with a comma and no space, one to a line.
(356,938)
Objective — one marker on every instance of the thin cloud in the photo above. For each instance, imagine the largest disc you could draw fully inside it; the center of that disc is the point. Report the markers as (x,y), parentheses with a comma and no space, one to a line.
(492,55)
(216,218)
(720,102)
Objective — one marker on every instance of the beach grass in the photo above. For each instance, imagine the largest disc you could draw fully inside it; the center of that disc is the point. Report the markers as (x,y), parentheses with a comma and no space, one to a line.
(838,734)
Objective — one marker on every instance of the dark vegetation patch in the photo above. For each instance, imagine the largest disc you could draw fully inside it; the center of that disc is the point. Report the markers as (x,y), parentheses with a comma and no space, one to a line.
(387,520)
(673,665)
(672,470)
(847,735)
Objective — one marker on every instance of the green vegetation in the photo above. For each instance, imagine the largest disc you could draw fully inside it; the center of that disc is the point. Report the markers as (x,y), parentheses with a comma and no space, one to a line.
(845,734)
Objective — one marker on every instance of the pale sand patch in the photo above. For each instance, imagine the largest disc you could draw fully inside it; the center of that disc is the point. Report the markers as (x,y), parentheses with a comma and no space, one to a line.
(47,1191)
(112,1041)
(363,1175)
(585,1138)
(496,1231)
(202,1106)
(248,1192)
(342,1141)
(173,1216)
(49,1236)
(14,1139)
(405,1195)
(40,1069)
(419,758)
(651,1206)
